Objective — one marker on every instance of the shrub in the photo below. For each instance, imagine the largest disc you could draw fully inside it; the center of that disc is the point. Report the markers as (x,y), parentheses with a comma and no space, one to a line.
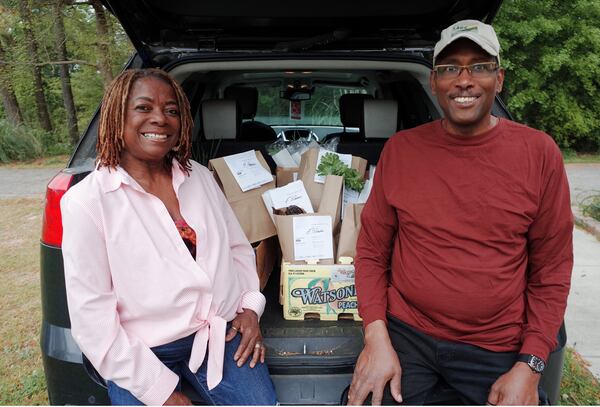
(17,144)
(590,206)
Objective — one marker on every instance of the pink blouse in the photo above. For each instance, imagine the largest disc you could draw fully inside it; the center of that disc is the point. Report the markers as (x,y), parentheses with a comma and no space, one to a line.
(132,285)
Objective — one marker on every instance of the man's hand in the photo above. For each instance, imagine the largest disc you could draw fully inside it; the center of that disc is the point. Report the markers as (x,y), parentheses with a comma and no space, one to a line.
(518,386)
(177,398)
(246,324)
(377,364)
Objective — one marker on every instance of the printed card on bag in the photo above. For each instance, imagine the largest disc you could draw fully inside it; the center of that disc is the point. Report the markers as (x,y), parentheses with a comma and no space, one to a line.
(290,194)
(312,238)
(247,171)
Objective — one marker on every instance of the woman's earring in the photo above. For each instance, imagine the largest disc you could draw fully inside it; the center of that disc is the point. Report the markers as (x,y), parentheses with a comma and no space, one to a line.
(176,148)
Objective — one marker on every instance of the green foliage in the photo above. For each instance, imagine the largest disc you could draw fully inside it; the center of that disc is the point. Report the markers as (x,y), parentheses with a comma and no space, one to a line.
(551,52)
(86,81)
(332,165)
(24,143)
(17,144)
(590,206)
(578,385)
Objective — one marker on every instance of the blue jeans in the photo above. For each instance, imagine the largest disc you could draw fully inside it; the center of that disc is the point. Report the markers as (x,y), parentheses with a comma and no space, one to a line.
(240,385)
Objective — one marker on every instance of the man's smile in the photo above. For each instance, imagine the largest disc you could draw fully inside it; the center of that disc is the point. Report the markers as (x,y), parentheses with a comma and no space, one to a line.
(464,100)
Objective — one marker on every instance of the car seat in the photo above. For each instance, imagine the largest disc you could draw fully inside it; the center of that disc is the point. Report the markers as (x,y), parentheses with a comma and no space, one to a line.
(351,115)
(247,99)
(221,127)
(380,118)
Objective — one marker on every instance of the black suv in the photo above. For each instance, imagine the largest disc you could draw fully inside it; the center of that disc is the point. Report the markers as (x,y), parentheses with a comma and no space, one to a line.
(256,72)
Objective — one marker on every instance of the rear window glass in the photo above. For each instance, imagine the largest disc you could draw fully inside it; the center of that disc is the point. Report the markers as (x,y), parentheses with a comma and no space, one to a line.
(321,110)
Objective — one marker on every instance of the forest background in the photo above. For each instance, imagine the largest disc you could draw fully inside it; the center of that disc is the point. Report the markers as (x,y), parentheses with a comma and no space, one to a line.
(58,56)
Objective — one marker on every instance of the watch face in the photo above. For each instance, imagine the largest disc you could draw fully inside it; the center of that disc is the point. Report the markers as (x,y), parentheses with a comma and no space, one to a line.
(537,364)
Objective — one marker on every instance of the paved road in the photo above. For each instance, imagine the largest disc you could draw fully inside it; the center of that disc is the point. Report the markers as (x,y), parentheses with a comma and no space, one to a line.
(583,307)
(32,182)
(583,311)
(584,179)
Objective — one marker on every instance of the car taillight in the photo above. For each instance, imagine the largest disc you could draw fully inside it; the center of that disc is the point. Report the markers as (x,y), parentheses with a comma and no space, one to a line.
(52,224)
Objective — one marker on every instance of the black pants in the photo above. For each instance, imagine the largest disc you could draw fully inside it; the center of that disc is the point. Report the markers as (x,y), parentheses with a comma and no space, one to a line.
(436,371)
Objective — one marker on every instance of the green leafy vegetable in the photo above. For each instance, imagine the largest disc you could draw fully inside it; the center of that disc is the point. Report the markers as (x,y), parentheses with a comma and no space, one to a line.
(332,165)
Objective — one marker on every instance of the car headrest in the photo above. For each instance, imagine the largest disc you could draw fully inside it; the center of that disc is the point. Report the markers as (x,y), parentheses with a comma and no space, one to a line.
(246,97)
(220,119)
(351,108)
(381,118)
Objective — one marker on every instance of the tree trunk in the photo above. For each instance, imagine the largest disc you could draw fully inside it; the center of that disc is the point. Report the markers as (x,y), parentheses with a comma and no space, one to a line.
(32,48)
(65,77)
(9,99)
(104,61)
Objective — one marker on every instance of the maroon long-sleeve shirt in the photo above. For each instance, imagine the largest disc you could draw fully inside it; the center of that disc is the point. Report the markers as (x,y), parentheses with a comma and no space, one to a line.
(469,239)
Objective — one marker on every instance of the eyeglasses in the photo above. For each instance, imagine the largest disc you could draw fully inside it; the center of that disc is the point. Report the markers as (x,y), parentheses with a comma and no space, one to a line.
(478,70)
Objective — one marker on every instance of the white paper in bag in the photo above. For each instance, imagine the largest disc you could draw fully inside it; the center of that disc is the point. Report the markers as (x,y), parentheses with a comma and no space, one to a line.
(247,171)
(352,196)
(284,159)
(290,194)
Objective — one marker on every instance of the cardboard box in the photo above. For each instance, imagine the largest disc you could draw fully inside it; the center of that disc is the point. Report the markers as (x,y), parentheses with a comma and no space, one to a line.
(248,206)
(325,292)
(286,175)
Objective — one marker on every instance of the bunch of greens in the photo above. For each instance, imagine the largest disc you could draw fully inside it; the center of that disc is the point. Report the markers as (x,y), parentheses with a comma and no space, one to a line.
(332,165)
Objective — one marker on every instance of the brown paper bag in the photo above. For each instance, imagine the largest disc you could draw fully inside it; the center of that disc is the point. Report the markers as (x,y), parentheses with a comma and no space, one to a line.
(248,206)
(306,172)
(285,232)
(349,231)
(308,169)
(331,200)
(266,257)
(285,176)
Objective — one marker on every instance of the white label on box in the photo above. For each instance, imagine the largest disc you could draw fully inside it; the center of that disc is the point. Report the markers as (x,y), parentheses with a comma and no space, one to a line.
(284,159)
(247,170)
(293,193)
(346,159)
(340,273)
(352,196)
(313,238)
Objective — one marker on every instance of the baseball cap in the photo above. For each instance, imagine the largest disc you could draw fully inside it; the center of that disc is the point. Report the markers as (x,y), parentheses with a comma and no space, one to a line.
(476,31)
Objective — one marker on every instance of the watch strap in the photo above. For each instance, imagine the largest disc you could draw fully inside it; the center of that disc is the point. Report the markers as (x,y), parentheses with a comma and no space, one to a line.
(535,363)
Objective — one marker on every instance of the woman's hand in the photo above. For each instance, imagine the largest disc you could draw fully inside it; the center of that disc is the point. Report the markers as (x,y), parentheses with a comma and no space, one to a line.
(246,324)
(177,398)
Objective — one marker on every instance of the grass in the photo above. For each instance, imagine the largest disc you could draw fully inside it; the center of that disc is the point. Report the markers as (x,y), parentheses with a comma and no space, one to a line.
(590,206)
(56,161)
(22,379)
(578,386)
(573,157)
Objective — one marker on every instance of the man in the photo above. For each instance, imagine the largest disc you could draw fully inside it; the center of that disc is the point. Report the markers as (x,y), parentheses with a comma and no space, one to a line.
(464,258)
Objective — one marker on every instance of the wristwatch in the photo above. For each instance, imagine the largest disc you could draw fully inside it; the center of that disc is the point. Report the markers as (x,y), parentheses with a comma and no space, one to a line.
(535,363)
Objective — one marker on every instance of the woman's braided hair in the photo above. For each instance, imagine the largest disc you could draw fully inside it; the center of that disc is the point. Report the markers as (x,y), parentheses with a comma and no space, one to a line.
(114,112)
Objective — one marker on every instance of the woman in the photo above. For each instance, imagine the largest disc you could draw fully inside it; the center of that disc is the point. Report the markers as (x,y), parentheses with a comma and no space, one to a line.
(161,281)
